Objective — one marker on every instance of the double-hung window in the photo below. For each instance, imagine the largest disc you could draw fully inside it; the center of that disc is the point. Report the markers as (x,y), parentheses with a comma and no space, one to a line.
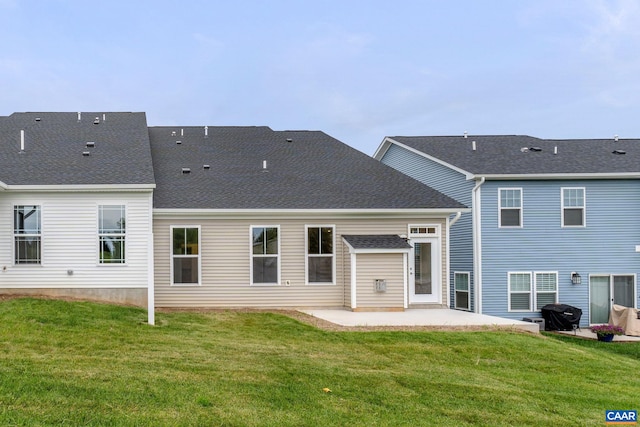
(546,289)
(510,207)
(320,259)
(573,207)
(27,234)
(185,255)
(265,254)
(530,291)
(461,284)
(520,291)
(112,233)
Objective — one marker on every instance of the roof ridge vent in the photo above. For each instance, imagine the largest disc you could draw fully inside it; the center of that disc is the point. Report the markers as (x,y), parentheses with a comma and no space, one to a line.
(619,152)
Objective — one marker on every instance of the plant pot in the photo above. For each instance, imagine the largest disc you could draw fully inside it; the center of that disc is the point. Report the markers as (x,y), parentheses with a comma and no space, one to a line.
(605,337)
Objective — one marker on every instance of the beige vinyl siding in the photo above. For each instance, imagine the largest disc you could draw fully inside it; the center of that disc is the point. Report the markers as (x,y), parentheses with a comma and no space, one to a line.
(225,257)
(389,267)
(69,230)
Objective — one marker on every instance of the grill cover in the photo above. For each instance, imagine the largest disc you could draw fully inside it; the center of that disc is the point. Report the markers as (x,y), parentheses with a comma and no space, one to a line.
(560,317)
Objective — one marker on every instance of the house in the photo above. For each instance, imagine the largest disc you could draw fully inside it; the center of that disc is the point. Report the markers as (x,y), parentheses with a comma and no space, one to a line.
(252,217)
(76,206)
(551,220)
(101,206)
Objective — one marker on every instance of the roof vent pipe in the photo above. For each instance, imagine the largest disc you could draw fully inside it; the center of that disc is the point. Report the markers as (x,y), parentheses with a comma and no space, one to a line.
(206,131)
(473,145)
(264,164)
(465,134)
(79,116)
(181,132)
(22,140)
(104,117)
(615,137)
(555,150)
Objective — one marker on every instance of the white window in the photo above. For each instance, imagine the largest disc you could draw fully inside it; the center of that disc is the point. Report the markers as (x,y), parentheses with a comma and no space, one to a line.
(111,233)
(27,234)
(510,207)
(185,255)
(573,207)
(546,285)
(461,285)
(519,291)
(265,254)
(320,256)
(527,296)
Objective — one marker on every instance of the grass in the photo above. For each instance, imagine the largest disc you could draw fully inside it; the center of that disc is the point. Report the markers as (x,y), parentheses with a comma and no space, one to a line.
(76,363)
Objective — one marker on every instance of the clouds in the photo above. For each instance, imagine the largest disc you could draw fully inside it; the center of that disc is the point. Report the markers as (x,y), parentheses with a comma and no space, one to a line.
(358,70)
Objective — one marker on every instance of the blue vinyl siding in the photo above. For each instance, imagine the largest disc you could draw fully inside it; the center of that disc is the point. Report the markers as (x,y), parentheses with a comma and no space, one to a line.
(605,246)
(454,185)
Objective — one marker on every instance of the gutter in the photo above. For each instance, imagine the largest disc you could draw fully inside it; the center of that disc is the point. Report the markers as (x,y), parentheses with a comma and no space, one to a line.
(477,244)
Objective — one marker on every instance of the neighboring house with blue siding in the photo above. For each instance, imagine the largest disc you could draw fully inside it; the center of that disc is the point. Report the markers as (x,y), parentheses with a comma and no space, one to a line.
(551,221)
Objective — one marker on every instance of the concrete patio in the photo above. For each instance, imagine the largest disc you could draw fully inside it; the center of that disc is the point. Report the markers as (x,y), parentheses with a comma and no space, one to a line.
(419,317)
(587,334)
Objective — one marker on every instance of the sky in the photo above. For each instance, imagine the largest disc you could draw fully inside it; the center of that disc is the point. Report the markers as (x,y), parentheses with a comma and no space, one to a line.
(358,70)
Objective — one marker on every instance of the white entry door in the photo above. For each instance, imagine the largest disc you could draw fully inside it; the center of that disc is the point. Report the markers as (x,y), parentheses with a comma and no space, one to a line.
(424,271)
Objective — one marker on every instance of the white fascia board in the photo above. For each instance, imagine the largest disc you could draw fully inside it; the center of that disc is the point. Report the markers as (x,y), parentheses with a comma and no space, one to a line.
(82,187)
(382,148)
(3,186)
(557,176)
(306,213)
(468,174)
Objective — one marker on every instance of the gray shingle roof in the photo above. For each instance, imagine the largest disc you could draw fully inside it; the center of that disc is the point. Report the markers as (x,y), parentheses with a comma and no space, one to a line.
(504,154)
(305,170)
(55,143)
(373,241)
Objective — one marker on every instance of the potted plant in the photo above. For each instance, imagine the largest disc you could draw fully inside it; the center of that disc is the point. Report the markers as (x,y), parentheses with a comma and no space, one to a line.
(606,332)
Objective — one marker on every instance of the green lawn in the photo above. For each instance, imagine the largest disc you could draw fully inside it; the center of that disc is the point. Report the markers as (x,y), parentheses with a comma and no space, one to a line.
(76,363)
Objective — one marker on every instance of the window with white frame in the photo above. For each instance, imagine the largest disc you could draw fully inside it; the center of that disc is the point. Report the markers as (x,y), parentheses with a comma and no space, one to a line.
(320,257)
(525,295)
(546,285)
(265,254)
(573,207)
(461,286)
(519,291)
(27,234)
(510,207)
(185,255)
(112,233)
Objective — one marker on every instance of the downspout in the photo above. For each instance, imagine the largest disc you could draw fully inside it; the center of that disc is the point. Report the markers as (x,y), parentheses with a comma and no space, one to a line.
(448,276)
(477,245)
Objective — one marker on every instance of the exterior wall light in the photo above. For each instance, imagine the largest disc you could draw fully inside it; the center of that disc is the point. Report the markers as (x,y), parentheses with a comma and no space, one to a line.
(575,278)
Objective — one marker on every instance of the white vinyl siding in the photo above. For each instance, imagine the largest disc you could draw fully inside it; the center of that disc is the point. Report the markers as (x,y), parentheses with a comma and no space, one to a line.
(69,248)
(372,267)
(510,207)
(573,207)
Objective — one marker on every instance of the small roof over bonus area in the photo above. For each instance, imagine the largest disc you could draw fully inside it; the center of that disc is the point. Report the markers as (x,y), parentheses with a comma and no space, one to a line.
(373,241)
(87,148)
(259,168)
